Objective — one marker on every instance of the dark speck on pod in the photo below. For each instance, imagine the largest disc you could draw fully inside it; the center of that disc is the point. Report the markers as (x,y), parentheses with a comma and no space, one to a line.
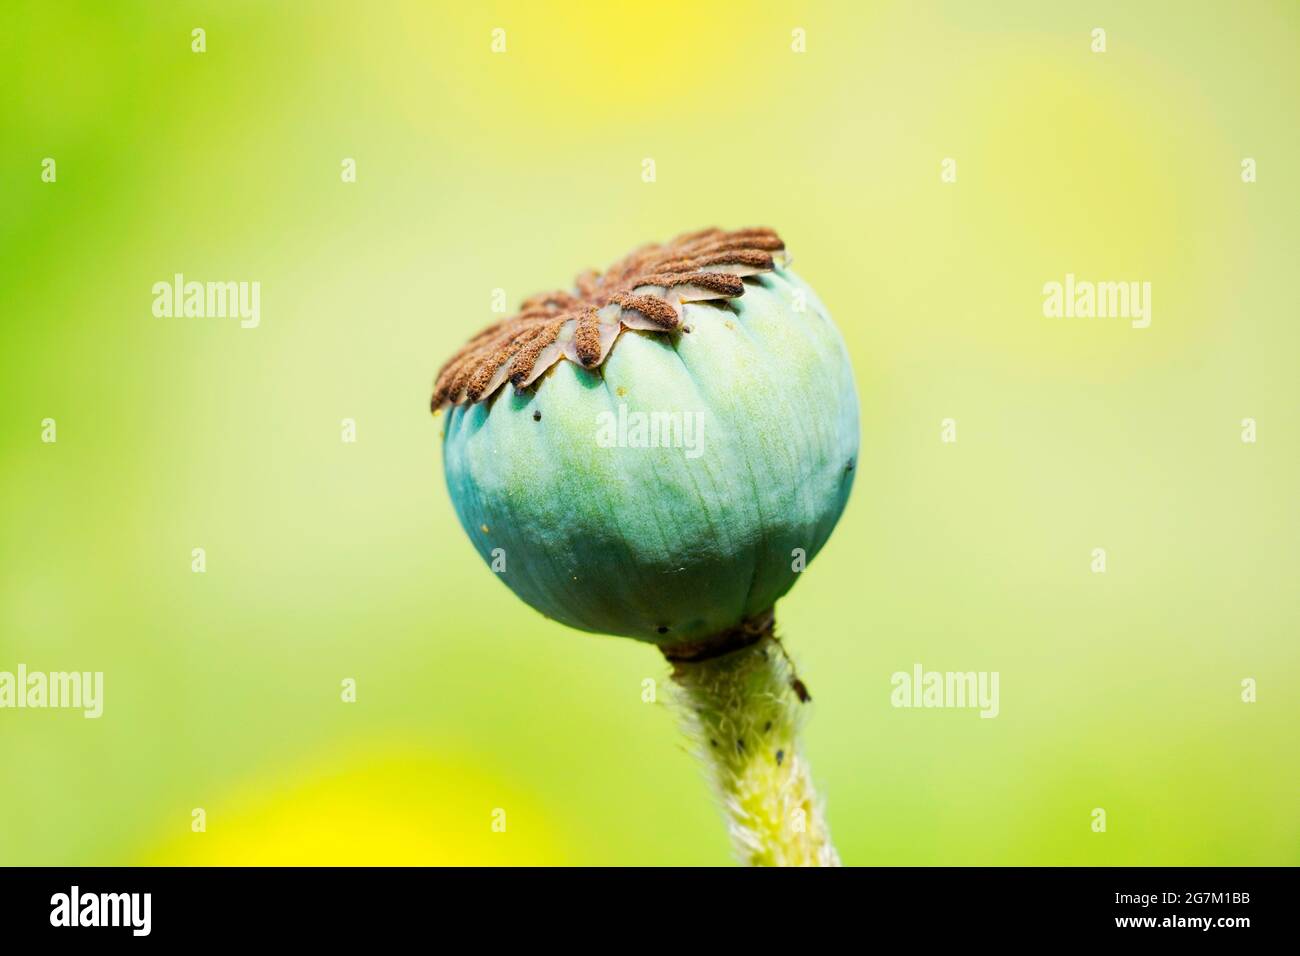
(662,628)
(780,756)
(537,415)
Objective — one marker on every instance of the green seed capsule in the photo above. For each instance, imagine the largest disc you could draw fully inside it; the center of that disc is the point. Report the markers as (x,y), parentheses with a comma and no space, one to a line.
(657,479)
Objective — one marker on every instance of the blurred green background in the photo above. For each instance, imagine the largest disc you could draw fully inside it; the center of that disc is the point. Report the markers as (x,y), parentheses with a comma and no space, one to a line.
(477,171)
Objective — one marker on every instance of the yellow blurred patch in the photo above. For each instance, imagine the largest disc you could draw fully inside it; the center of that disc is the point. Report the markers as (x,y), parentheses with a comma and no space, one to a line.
(400,806)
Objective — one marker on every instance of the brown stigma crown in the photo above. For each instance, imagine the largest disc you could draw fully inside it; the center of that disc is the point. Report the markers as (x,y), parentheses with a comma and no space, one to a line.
(645,290)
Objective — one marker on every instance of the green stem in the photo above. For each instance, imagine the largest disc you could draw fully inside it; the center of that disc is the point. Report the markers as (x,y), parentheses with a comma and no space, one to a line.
(742,710)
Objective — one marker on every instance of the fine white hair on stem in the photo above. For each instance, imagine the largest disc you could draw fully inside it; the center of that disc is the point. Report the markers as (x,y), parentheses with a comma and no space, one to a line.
(742,712)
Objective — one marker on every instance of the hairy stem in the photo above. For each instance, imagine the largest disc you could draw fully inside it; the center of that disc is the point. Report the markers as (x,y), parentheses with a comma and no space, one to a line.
(742,710)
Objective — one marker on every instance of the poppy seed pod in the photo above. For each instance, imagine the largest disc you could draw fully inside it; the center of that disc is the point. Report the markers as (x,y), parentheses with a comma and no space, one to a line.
(659,453)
